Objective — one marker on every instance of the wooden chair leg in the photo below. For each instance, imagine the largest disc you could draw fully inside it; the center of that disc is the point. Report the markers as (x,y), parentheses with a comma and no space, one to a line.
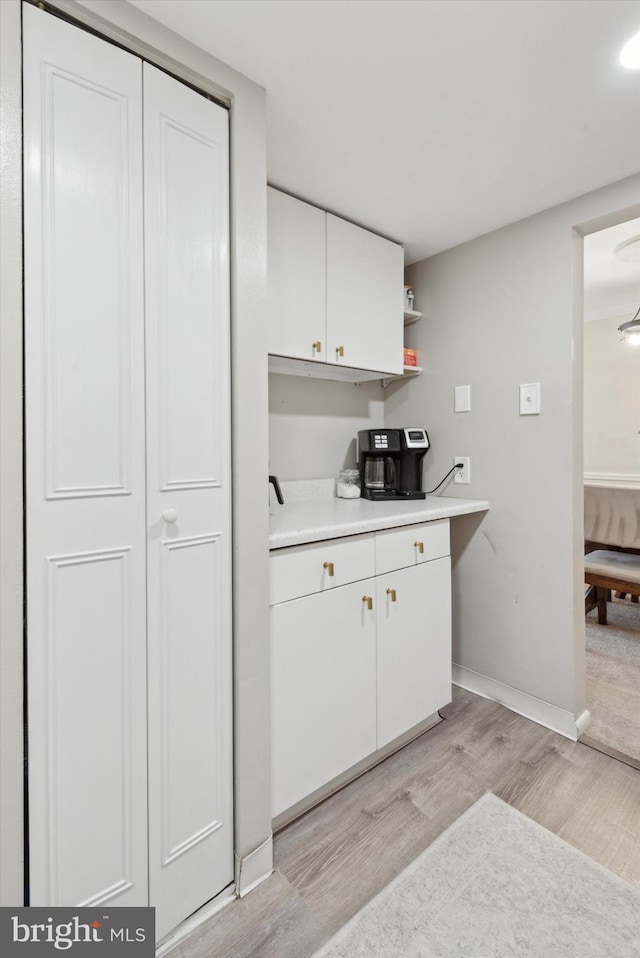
(604,595)
(623,595)
(590,599)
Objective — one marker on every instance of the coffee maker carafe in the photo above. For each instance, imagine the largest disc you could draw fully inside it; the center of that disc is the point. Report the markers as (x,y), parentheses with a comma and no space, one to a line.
(390,461)
(380,474)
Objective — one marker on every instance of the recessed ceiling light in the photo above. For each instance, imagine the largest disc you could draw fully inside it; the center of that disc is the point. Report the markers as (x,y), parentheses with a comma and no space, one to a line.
(630,56)
(628,250)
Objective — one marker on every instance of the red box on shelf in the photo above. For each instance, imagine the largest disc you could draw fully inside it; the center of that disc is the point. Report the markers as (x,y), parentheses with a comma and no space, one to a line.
(410,357)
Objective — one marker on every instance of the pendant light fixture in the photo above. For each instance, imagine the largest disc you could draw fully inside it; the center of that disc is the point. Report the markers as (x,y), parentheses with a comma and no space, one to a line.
(631,331)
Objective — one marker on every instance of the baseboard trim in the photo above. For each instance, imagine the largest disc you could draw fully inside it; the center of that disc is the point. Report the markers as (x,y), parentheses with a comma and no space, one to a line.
(612,479)
(251,871)
(186,928)
(582,722)
(550,716)
(254,868)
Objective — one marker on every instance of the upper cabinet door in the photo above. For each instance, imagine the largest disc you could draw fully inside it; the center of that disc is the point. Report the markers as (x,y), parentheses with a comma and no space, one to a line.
(364,298)
(296,278)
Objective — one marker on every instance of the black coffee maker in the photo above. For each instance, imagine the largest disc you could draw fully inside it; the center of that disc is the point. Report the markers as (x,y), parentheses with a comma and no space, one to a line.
(390,462)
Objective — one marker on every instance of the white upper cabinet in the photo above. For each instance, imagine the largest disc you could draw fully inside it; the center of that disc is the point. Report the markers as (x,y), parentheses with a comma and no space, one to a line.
(296,277)
(365,320)
(335,295)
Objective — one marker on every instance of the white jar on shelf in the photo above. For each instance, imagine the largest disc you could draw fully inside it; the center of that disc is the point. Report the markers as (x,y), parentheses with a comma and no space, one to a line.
(408,298)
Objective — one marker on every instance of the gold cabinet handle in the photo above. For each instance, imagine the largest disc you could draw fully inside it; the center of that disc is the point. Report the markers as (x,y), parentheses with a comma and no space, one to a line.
(369,600)
(392,594)
(328,566)
(318,346)
(419,546)
(339,350)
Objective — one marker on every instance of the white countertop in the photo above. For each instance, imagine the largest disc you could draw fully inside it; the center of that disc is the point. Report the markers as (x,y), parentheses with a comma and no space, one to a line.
(327,517)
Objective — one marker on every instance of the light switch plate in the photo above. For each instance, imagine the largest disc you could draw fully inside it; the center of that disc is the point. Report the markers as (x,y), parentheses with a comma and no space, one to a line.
(529,399)
(462,398)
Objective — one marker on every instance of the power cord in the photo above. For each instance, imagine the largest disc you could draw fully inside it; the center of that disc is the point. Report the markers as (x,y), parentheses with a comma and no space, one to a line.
(458,465)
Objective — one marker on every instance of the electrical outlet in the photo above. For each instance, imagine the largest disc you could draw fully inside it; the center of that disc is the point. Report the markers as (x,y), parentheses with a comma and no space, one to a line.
(464,473)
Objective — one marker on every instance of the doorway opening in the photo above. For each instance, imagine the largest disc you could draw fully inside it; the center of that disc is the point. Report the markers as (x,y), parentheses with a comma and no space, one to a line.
(611,435)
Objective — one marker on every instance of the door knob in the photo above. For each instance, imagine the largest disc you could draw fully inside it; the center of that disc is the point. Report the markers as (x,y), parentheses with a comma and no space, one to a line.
(170,515)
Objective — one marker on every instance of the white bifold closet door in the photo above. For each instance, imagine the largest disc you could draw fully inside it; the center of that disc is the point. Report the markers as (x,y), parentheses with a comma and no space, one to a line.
(128,479)
(85,467)
(188,493)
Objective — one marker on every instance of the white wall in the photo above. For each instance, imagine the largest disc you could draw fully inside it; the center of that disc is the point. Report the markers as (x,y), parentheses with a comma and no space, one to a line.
(313,424)
(252,765)
(611,401)
(505,309)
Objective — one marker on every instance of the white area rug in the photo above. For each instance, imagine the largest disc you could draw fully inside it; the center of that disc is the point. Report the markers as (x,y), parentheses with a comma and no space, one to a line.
(496,885)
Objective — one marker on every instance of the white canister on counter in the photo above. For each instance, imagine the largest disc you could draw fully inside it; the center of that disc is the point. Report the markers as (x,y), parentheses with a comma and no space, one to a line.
(348,484)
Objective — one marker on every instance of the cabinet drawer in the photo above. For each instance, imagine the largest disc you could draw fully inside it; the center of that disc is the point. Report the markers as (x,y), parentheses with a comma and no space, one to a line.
(319,566)
(411,545)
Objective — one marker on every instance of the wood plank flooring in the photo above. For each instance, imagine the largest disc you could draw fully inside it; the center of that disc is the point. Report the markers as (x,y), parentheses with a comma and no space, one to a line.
(339,855)
(613,682)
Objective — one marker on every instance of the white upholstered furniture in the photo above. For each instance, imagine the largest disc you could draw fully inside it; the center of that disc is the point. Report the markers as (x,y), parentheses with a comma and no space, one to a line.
(611,519)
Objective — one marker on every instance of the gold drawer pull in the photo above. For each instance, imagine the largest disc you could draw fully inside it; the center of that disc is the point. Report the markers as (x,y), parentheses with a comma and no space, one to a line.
(419,546)
(392,594)
(318,346)
(339,350)
(328,566)
(369,600)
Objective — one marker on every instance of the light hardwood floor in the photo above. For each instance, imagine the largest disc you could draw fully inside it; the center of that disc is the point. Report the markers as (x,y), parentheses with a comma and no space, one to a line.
(613,682)
(335,858)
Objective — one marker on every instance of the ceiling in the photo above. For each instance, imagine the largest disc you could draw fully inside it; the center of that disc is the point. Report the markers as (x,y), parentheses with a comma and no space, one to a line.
(432,121)
(611,285)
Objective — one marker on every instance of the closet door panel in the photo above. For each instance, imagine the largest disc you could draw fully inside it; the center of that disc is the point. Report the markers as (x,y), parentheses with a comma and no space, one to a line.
(188,476)
(85,492)
(190,345)
(191,609)
(86,337)
(89,665)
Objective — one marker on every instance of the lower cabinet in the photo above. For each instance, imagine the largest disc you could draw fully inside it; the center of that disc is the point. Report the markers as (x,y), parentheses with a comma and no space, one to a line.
(413,646)
(356,665)
(323,690)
